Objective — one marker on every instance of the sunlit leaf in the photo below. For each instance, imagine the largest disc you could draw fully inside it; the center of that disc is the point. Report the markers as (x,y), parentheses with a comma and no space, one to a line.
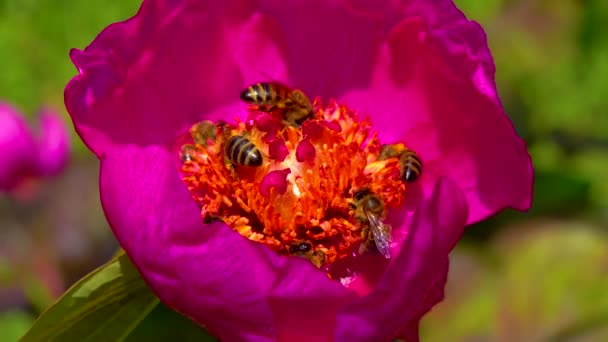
(106,305)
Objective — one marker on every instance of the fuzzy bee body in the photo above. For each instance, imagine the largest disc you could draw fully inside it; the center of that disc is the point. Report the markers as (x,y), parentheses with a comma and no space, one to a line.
(294,105)
(411,166)
(241,151)
(305,249)
(188,153)
(410,163)
(370,210)
(203,131)
(267,95)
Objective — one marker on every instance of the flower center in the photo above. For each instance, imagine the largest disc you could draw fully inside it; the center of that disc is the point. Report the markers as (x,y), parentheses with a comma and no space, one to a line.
(318,188)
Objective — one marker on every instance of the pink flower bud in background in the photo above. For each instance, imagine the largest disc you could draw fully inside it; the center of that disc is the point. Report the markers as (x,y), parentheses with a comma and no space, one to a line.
(30,153)
(53,144)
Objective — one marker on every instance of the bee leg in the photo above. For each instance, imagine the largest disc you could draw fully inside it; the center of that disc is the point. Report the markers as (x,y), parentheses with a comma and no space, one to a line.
(287,123)
(317,258)
(363,247)
(303,118)
(366,240)
(295,117)
(231,168)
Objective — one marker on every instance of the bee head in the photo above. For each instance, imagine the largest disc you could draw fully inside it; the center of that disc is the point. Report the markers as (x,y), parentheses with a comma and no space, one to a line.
(299,97)
(301,247)
(358,195)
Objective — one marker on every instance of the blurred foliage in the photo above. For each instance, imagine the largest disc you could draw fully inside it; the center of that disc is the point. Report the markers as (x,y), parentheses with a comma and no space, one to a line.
(552,74)
(13,324)
(550,284)
(534,276)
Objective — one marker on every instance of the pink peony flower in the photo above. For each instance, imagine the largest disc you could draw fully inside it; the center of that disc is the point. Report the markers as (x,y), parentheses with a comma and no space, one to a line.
(25,155)
(420,69)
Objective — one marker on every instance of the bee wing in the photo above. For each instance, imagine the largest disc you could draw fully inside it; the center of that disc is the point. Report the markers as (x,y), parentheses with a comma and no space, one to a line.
(382,235)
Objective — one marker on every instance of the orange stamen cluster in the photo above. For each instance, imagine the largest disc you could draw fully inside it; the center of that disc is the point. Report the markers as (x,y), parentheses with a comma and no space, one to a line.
(316,205)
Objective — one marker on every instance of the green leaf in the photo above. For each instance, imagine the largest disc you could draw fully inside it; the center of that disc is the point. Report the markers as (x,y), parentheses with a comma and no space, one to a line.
(106,305)
(164,324)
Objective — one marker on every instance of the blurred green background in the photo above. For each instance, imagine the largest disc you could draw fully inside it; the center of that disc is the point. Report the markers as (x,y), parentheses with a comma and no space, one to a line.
(540,276)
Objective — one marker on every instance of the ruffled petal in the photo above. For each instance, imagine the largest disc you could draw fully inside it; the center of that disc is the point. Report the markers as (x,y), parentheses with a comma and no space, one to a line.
(53,144)
(144,80)
(451,114)
(434,296)
(436,227)
(17,148)
(327,42)
(238,289)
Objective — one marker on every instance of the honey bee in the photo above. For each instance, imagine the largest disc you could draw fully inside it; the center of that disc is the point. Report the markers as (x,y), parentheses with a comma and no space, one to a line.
(203,131)
(305,249)
(188,153)
(300,247)
(410,163)
(241,151)
(370,210)
(268,96)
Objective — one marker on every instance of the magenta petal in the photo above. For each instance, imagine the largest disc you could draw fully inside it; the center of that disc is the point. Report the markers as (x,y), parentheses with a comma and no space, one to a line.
(17,148)
(399,297)
(305,151)
(323,56)
(147,79)
(450,113)
(278,150)
(311,129)
(240,290)
(53,145)
(434,296)
(275,179)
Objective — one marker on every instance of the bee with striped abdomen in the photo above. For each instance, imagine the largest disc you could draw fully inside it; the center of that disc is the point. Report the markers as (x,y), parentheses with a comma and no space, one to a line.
(369,209)
(294,105)
(411,165)
(241,151)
